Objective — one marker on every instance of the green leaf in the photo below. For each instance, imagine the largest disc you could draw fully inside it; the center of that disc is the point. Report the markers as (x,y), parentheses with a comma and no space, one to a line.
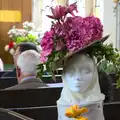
(40,70)
(118,84)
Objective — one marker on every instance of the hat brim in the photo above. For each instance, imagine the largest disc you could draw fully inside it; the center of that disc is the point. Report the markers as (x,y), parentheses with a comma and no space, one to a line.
(87,46)
(60,63)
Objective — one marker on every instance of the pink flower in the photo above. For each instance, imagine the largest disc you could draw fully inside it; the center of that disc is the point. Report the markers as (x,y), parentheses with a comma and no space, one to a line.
(71,8)
(59,30)
(43,57)
(94,27)
(74,41)
(72,33)
(46,53)
(58,12)
(80,32)
(47,43)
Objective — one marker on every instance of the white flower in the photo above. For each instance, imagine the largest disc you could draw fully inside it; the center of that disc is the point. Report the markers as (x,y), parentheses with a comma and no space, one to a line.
(6,48)
(28,25)
(10,36)
(12,51)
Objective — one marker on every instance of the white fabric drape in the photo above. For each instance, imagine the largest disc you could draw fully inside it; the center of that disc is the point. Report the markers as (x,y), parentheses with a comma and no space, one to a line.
(92,98)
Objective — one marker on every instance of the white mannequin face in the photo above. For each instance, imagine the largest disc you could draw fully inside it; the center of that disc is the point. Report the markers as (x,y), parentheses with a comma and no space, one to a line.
(78,72)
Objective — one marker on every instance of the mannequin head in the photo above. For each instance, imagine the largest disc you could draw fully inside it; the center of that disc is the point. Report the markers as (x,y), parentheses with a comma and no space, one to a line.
(78,72)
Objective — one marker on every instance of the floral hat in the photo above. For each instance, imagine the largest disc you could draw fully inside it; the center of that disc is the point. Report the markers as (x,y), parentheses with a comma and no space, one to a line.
(26,34)
(67,36)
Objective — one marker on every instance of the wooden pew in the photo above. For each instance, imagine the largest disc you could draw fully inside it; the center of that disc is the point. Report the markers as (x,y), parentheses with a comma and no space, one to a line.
(111,112)
(2,72)
(39,113)
(10,115)
(49,79)
(116,97)
(29,98)
(105,85)
(7,82)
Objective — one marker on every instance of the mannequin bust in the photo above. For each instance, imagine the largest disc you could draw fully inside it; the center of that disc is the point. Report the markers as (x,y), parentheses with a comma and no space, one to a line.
(81,87)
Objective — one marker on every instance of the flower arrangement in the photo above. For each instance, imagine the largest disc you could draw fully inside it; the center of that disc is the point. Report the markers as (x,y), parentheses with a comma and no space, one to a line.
(21,35)
(25,34)
(70,34)
(67,35)
(76,112)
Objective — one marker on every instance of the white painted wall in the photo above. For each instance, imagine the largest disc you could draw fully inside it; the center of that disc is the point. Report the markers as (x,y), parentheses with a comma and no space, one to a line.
(109,21)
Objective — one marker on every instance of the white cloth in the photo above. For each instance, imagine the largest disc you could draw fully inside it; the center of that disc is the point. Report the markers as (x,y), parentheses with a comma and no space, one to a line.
(1,65)
(91,98)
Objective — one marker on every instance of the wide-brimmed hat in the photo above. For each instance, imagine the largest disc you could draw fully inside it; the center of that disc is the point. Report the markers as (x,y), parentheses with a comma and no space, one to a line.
(102,40)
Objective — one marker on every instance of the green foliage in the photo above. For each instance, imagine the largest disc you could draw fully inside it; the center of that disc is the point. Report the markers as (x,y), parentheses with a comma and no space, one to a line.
(107,67)
(108,59)
(27,38)
(54,61)
(40,71)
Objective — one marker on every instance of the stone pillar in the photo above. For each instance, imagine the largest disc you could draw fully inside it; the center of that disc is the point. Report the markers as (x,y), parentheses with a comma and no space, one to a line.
(37,13)
(61,2)
(88,7)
